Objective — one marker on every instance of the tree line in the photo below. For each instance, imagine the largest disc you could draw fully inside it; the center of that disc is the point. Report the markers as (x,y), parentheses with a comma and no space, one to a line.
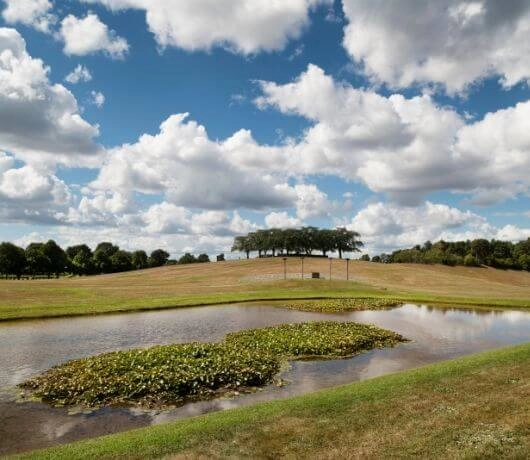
(494,253)
(298,241)
(49,259)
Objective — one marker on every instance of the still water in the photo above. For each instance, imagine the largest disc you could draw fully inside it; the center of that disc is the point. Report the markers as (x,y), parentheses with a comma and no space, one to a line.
(27,348)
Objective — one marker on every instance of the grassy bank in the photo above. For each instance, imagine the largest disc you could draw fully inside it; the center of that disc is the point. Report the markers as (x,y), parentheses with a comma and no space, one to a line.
(241,281)
(172,374)
(475,407)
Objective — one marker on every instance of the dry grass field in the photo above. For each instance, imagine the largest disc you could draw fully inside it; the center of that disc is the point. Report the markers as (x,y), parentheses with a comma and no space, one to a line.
(260,279)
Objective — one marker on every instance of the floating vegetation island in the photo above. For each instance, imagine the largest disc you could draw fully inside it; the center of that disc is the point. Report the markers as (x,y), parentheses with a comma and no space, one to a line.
(174,374)
(341,305)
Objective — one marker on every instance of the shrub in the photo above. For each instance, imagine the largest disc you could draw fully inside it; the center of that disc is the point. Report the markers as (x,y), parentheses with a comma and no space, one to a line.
(470,261)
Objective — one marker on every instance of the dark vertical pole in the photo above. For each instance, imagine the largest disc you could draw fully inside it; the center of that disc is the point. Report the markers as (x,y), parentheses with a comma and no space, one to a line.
(347,269)
(285,268)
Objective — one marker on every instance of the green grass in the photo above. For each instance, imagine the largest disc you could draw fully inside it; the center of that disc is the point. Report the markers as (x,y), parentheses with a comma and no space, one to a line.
(173,374)
(474,407)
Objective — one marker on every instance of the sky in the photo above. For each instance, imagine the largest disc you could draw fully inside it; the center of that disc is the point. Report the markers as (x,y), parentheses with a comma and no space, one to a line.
(182,123)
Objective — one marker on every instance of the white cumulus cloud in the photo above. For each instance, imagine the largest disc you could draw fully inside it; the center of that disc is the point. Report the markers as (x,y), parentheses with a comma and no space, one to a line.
(79,74)
(88,35)
(242,26)
(404,147)
(448,42)
(40,122)
(33,13)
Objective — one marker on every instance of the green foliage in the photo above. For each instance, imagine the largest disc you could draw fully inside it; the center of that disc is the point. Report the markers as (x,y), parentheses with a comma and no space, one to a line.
(104,251)
(171,374)
(470,261)
(303,240)
(80,259)
(121,261)
(158,258)
(37,262)
(49,258)
(12,259)
(325,339)
(187,259)
(494,253)
(139,260)
(203,258)
(56,256)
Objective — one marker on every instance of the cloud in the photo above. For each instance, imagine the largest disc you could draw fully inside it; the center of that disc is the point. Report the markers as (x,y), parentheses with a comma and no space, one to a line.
(311,202)
(97,99)
(240,26)
(452,43)
(131,238)
(404,147)
(33,13)
(79,74)
(281,220)
(28,195)
(88,35)
(189,169)
(386,226)
(40,122)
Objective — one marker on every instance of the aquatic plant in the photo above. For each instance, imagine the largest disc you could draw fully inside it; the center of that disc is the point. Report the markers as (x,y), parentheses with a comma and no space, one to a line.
(325,339)
(339,305)
(172,374)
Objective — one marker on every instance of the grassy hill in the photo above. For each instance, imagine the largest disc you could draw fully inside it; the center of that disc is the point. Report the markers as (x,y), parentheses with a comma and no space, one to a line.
(261,279)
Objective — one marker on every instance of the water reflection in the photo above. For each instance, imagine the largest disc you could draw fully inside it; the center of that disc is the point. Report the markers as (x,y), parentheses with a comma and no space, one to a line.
(30,347)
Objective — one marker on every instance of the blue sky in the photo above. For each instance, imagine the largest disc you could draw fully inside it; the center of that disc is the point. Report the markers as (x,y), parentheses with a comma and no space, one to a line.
(313,112)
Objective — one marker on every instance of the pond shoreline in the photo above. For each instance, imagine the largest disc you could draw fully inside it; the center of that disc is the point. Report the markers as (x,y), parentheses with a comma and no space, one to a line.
(450,303)
(29,348)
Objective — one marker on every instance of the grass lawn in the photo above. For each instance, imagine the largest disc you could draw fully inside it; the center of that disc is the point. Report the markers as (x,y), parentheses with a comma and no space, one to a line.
(474,407)
(248,280)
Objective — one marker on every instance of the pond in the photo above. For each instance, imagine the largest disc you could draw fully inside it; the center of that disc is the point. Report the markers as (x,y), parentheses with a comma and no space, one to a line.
(27,348)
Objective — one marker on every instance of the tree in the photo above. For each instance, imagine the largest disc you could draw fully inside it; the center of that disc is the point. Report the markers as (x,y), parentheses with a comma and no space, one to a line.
(480,249)
(187,259)
(104,251)
(347,241)
(121,261)
(37,262)
(12,260)
(139,260)
(80,258)
(325,240)
(365,258)
(83,263)
(57,257)
(158,258)
(203,258)
(242,244)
